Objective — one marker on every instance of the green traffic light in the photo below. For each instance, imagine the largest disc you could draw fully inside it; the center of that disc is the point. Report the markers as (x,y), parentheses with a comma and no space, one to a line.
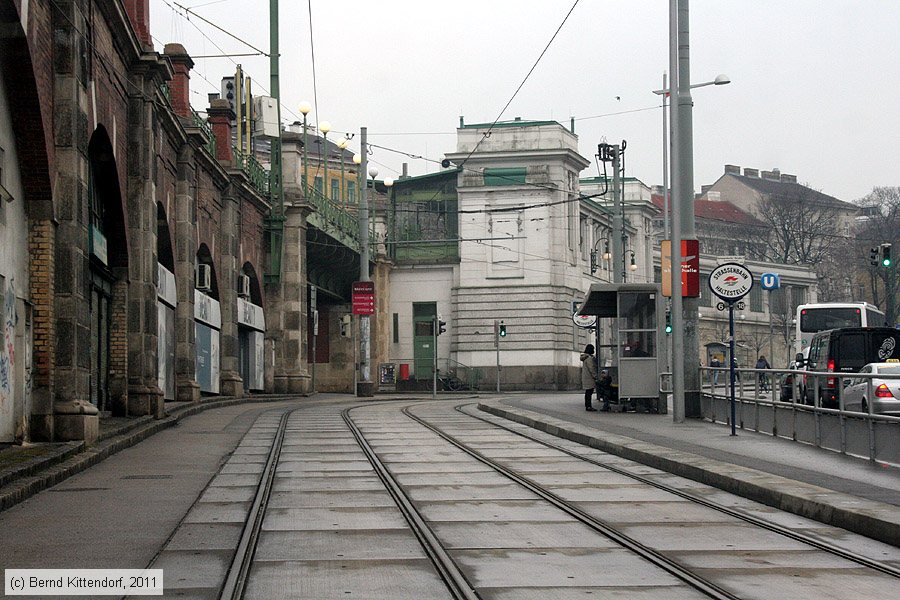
(668,329)
(886,262)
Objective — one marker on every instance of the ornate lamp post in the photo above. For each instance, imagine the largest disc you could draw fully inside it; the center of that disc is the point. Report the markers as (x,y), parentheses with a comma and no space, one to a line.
(305,108)
(325,127)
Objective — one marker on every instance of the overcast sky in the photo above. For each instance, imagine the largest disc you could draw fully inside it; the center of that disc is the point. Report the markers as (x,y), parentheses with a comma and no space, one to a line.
(815,83)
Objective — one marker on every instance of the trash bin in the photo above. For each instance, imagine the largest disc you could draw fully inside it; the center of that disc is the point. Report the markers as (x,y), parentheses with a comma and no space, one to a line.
(404,372)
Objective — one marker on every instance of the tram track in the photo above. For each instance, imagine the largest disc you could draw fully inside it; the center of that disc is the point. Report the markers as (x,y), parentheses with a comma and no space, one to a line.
(706,587)
(236,580)
(455,570)
(737,514)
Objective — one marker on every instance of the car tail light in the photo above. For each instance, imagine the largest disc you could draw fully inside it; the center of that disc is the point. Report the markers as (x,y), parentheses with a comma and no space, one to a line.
(882,391)
(831,380)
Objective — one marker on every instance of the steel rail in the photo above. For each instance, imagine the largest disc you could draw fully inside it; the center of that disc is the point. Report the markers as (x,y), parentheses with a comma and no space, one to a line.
(447,568)
(236,580)
(789,533)
(660,560)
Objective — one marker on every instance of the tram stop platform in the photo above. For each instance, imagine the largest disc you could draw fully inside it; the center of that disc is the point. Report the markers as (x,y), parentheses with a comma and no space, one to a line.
(839,490)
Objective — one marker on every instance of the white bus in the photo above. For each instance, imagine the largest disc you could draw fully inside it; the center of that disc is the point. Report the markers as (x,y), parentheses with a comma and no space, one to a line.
(812,318)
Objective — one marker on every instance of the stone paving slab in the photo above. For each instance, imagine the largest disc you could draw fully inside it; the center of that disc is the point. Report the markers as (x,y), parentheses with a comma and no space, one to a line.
(363,544)
(333,580)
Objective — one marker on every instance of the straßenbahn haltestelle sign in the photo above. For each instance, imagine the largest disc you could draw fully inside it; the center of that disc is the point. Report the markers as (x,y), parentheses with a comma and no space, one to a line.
(730,281)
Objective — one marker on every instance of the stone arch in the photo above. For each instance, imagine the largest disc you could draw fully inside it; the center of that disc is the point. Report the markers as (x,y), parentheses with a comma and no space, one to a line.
(108,278)
(33,140)
(106,209)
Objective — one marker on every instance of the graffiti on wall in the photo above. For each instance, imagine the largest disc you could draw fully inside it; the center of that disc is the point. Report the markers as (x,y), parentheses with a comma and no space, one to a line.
(8,351)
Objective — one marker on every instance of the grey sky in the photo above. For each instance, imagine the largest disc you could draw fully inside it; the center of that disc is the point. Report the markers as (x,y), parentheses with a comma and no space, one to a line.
(815,87)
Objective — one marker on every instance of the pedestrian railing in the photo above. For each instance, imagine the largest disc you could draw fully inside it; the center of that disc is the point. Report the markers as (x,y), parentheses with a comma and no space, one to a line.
(790,404)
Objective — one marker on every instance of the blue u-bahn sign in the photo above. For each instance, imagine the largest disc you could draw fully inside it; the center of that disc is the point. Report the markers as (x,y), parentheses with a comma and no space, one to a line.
(770,281)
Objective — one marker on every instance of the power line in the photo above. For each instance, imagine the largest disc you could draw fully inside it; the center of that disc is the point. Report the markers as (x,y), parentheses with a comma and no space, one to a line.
(530,71)
(211,24)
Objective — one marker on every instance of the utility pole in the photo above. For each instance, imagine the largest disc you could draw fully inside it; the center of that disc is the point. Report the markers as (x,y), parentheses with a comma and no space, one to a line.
(677,300)
(276,196)
(364,386)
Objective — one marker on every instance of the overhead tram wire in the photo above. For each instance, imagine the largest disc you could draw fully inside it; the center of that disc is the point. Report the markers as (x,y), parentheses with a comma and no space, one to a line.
(225,54)
(518,89)
(505,209)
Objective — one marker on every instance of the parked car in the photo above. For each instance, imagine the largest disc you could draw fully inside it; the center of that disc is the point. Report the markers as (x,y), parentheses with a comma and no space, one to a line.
(885,393)
(846,350)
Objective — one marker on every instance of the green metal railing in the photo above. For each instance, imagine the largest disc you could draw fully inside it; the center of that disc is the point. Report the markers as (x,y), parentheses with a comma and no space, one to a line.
(259,177)
(337,219)
(204,126)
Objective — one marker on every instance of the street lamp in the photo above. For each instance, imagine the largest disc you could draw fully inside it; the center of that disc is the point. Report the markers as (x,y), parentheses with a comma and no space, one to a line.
(633,266)
(721,79)
(606,254)
(325,127)
(305,108)
(343,145)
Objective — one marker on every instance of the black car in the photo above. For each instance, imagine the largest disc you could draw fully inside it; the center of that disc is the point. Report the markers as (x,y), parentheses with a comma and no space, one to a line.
(846,350)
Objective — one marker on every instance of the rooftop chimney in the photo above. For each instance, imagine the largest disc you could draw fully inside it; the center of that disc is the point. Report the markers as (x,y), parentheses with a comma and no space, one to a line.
(180,89)
(771,175)
(139,15)
(220,117)
(751,172)
(785,178)
(732,170)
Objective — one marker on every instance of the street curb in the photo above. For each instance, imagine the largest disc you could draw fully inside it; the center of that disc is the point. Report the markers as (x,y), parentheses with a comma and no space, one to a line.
(78,458)
(875,520)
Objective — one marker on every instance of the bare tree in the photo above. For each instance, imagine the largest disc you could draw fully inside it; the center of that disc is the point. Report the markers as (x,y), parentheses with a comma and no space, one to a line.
(805,230)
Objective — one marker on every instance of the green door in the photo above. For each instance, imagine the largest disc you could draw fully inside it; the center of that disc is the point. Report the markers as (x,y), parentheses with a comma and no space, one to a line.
(423,339)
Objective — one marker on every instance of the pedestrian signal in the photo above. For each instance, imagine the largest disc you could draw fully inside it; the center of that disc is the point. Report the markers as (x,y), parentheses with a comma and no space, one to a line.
(502,329)
(346,326)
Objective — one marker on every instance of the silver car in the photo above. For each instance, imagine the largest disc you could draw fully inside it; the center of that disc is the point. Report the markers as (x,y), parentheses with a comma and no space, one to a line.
(885,392)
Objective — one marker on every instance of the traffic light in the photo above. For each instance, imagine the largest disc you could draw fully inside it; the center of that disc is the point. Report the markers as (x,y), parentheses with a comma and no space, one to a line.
(441,326)
(593,261)
(502,329)
(873,256)
(346,326)
(668,322)
(886,255)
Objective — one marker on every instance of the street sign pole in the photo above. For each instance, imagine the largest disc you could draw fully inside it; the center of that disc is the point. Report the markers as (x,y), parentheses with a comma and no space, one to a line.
(731,282)
(731,362)
(315,336)
(497,348)
(434,363)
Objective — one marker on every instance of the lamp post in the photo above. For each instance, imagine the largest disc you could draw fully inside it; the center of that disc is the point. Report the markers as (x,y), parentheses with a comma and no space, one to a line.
(606,255)
(664,92)
(343,146)
(325,127)
(305,108)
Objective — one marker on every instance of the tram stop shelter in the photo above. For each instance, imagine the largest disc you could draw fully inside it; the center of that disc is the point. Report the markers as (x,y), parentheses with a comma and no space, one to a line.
(637,311)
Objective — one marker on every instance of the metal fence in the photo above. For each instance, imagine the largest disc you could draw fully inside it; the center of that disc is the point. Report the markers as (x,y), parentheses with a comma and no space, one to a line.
(787,404)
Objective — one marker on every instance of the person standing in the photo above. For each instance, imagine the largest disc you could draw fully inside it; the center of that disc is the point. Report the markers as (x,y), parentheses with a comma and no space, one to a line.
(588,375)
